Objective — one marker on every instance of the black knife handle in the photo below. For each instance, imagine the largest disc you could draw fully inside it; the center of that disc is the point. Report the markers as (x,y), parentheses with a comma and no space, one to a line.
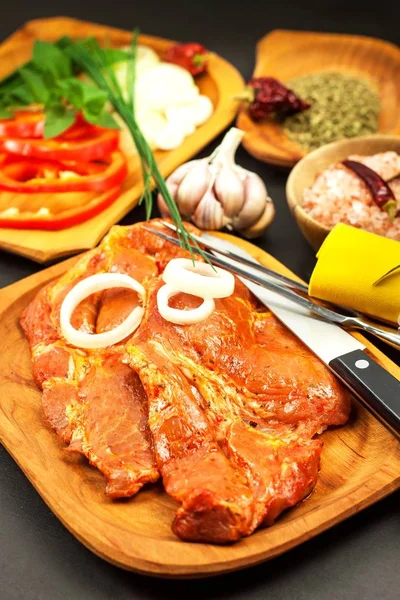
(377,389)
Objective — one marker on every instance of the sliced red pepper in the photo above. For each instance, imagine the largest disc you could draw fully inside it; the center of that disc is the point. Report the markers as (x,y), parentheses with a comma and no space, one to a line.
(30,175)
(64,219)
(30,124)
(93,145)
(25,124)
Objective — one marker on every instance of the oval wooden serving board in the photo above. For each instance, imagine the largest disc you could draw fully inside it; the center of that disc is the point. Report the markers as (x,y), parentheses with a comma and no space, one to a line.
(286,54)
(221,84)
(360,465)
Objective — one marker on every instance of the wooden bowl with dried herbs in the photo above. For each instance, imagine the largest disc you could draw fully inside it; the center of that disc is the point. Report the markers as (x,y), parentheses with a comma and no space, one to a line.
(310,89)
(355,181)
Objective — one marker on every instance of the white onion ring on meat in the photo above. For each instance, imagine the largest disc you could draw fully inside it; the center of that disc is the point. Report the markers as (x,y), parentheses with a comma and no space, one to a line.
(198,278)
(182,317)
(88,286)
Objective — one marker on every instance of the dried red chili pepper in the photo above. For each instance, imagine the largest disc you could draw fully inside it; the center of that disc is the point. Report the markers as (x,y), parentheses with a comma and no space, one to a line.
(382,195)
(191,56)
(267,95)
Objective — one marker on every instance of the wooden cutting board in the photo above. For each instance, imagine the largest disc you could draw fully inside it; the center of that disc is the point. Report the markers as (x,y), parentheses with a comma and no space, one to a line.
(360,465)
(286,54)
(220,84)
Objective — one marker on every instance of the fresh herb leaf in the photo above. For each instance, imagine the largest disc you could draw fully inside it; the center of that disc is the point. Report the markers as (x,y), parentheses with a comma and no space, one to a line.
(35,85)
(22,95)
(58,119)
(5,113)
(94,99)
(113,55)
(72,91)
(47,57)
(105,119)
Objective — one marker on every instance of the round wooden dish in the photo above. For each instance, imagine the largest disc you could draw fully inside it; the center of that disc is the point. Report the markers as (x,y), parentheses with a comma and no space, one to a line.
(288,54)
(305,172)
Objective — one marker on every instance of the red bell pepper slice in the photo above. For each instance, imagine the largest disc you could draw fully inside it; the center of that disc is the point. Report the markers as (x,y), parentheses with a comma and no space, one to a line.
(30,175)
(94,144)
(64,219)
(25,124)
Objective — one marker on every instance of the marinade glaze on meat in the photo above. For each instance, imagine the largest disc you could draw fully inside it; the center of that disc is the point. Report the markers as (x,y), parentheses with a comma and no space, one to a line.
(225,411)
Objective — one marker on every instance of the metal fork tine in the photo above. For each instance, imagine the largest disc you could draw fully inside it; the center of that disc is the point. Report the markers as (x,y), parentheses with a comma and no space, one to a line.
(296,285)
(230,264)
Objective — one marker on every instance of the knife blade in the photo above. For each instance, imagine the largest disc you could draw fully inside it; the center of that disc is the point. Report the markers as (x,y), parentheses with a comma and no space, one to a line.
(343,354)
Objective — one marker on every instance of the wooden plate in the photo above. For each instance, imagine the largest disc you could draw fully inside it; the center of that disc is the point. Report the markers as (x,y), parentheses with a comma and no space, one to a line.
(221,84)
(288,54)
(360,465)
(305,172)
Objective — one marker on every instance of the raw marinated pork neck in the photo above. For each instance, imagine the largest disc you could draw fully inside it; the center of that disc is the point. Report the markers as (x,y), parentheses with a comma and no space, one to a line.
(225,411)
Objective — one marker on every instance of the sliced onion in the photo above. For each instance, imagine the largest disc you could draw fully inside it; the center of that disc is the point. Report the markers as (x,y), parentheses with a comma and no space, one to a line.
(198,278)
(178,316)
(88,286)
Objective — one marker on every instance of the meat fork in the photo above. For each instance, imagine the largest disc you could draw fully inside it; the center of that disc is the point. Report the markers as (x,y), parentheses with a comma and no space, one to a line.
(284,286)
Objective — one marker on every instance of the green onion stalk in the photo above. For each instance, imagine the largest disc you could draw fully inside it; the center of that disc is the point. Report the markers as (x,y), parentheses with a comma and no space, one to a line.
(91,59)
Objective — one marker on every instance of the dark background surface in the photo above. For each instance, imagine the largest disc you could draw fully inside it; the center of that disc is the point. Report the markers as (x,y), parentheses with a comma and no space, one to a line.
(358,559)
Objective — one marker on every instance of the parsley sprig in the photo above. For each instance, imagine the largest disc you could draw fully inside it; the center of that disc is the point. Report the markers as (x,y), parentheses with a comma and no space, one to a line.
(49,80)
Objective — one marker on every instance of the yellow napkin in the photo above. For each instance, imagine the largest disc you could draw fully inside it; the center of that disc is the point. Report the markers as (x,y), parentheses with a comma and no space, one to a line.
(349,261)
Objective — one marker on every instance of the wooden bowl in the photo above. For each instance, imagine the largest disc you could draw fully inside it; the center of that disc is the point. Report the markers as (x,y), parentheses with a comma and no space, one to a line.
(290,54)
(304,173)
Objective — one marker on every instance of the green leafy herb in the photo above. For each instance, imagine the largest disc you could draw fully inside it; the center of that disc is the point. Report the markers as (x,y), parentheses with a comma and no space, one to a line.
(35,84)
(58,119)
(48,58)
(5,113)
(49,79)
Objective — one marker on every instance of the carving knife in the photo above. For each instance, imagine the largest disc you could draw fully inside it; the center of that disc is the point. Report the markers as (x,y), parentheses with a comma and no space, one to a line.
(345,356)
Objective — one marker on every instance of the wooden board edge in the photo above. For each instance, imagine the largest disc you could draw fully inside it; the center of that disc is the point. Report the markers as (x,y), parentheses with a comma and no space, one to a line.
(189,571)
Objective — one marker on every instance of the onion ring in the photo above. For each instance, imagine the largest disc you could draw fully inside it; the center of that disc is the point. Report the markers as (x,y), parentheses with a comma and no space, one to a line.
(182,317)
(88,286)
(198,279)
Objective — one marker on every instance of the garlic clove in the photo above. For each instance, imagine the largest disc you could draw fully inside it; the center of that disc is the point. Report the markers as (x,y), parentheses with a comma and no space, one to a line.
(255,198)
(263,222)
(193,187)
(181,171)
(209,213)
(173,182)
(229,190)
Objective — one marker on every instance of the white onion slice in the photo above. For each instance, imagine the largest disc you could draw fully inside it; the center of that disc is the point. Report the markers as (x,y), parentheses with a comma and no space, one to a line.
(88,286)
(182,317)
(198,278)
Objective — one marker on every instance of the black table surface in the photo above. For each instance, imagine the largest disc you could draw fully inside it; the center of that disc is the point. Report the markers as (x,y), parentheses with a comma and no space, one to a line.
(358,559)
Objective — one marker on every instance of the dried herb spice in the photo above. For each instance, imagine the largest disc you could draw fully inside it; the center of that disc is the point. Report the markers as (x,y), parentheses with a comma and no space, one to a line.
(341,106)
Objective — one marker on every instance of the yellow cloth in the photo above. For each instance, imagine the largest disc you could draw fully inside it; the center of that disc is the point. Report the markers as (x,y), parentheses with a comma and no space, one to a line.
(349,261)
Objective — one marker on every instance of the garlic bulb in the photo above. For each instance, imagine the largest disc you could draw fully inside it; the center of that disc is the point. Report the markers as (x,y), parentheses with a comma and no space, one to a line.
(215,192)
